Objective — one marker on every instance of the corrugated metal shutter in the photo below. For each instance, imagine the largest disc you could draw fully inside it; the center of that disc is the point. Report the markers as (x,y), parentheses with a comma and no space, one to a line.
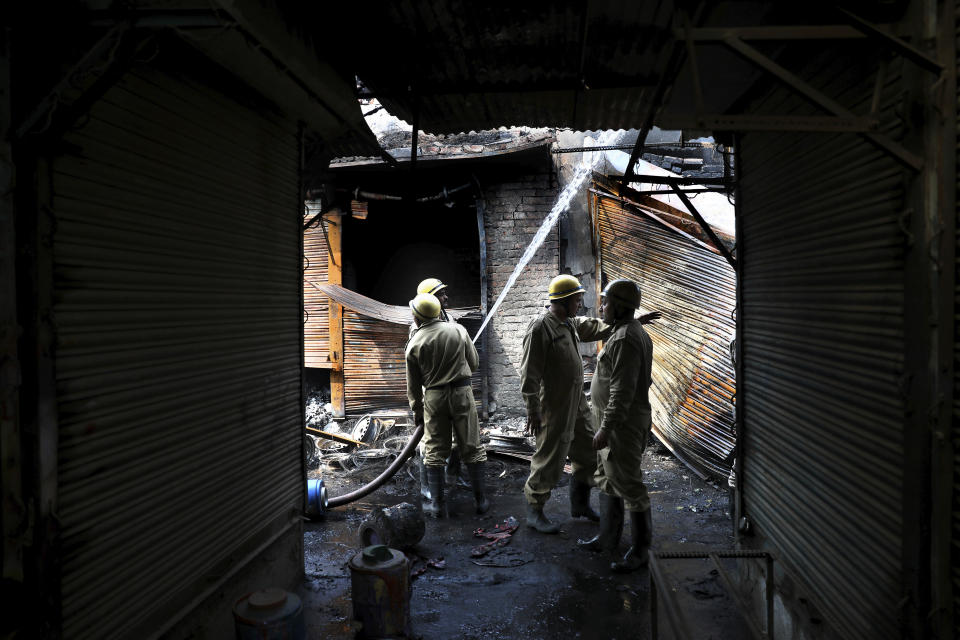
(177,269)
(316,306)
(955,547)
(695,288)
(823,349)
(374,368)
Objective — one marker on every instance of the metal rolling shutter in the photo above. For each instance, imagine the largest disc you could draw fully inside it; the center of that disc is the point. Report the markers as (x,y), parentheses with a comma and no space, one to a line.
(374,367)
(178,310)
(316,321)
(955,538)
(823,349)
(695,288)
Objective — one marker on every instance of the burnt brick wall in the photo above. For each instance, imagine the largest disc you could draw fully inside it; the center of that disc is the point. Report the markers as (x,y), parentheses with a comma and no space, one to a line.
(514,211)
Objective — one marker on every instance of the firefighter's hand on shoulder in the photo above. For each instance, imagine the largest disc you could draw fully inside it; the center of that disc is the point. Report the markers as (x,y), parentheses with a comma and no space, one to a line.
(648,318)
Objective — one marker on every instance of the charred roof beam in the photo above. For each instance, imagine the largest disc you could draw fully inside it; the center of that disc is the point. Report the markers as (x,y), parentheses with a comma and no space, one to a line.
(704,225)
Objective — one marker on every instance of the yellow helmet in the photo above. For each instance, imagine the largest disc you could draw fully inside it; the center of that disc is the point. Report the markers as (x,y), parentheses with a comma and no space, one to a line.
(623,291)
(430,285)
(563,286)
(425,306)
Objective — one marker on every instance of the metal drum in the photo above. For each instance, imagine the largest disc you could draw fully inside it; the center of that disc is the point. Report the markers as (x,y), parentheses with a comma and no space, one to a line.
(271,614)
(400,527)
(380,585)
(316,498)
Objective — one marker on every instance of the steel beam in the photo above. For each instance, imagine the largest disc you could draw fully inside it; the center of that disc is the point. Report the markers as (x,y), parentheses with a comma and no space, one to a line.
(829,104)
(706,227)
(905,49)
(786,32)
(737,598)
(670,606)
(724,122)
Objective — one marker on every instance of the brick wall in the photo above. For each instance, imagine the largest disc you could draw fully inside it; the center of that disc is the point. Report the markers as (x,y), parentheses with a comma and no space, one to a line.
(514,212)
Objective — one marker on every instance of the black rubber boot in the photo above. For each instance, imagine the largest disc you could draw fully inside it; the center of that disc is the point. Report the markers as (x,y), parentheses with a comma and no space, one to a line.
(476,470)
(611,526)
(580,501)
(452,470)
(641,532)
(435,506)
(424,483)
(537,520)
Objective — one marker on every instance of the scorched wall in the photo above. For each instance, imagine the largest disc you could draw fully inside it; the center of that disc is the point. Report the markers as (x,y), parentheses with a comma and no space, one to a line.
(514,211)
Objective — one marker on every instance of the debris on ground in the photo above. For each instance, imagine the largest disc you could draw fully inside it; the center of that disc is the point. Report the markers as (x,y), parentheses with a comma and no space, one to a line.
(499,537)
(424,564)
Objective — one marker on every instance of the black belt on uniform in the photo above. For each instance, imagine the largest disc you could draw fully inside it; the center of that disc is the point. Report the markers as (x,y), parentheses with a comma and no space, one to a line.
(462,382)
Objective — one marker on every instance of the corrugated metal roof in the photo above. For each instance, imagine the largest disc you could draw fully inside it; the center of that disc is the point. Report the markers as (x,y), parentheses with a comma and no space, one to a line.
(378,310)
(476,65)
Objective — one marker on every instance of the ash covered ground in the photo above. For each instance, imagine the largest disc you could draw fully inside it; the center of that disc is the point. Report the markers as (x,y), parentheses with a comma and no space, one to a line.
(537,586)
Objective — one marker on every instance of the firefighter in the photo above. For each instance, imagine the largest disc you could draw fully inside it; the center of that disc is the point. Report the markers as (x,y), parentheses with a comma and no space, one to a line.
(436,287)
(621,410)
(440,359)
(551,381)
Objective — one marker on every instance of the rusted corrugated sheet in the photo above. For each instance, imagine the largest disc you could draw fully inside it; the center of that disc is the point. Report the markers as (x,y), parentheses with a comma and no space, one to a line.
(371,308)
(374,337)
(316,309)
(695,288)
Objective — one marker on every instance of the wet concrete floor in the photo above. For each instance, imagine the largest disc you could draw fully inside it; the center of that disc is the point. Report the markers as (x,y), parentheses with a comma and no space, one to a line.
(544,586)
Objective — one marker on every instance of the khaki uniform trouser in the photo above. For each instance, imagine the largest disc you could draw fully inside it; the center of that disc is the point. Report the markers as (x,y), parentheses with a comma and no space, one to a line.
(553,447)
(618,466)
(450,414)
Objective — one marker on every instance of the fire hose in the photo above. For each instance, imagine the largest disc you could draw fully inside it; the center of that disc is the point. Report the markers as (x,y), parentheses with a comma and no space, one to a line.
(388,473)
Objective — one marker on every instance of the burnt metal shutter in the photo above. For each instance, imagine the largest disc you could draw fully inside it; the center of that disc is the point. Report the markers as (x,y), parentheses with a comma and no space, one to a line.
(178,364)
(374,367)
(822,251)
(374,371)
(695,288)
(316,306)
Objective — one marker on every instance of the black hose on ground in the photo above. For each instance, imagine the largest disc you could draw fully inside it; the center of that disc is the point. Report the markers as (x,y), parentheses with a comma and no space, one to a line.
(376,483)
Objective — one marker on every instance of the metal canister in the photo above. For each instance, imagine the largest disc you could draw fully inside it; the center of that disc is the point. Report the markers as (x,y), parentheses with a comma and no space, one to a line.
(399,527)
(316,498)
(380,586)
(270,614)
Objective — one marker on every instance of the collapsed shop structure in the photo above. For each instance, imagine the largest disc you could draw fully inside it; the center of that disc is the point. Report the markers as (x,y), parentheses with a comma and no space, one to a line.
(645,240)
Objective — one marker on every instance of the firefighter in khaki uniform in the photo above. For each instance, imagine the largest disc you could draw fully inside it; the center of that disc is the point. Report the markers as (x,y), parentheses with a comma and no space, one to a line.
(621,408)
(551,381)
(436,287)
(440,359)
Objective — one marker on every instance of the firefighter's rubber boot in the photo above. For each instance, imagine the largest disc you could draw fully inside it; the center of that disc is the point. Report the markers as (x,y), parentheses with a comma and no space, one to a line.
(476,471)
(641,532)
(580,501)
(537,520)
(435,507)
(611,526)
(424,483)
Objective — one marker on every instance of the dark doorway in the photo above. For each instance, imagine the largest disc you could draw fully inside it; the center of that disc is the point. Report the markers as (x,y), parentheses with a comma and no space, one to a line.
(396,246)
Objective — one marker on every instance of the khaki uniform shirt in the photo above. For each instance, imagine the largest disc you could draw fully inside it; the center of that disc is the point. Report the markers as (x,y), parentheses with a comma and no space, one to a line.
(621,383)
(444,317)
(438,353)
(551,371)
